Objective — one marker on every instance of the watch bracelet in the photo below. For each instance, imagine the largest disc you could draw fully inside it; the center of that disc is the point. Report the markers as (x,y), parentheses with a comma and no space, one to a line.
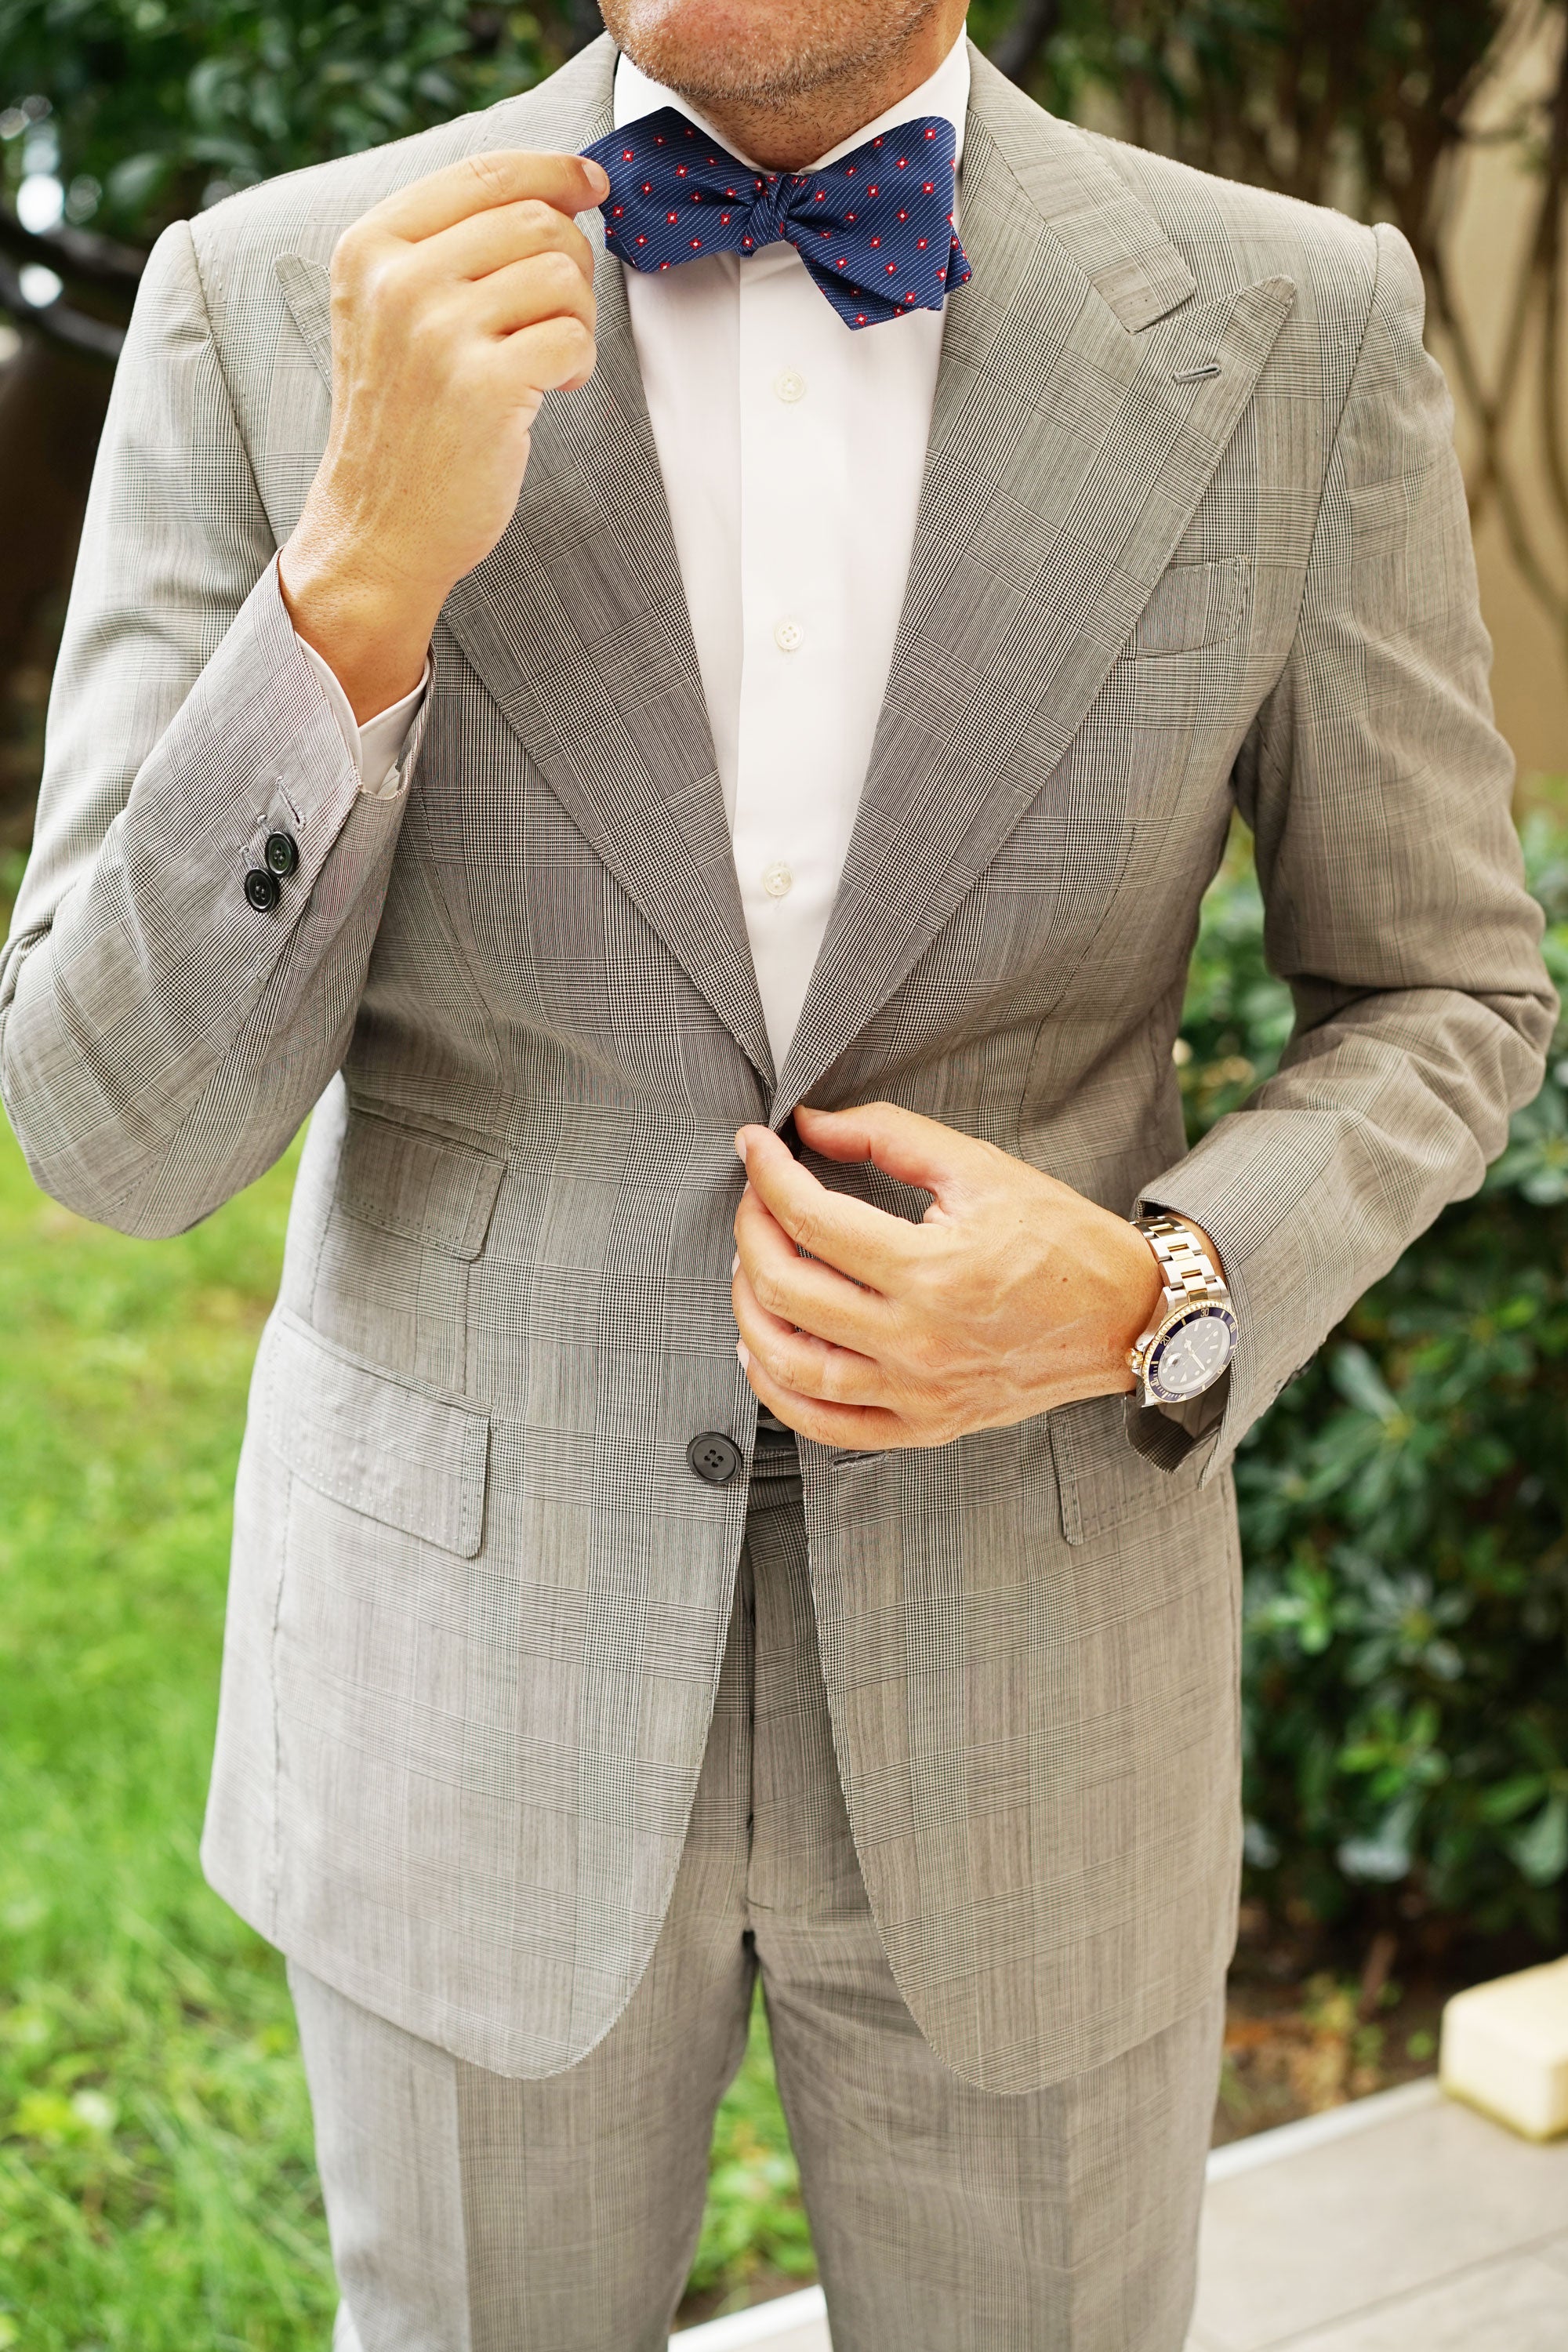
(1182,1257)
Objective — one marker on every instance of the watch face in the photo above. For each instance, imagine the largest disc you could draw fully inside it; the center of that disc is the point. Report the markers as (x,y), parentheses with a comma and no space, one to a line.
(1192,1354)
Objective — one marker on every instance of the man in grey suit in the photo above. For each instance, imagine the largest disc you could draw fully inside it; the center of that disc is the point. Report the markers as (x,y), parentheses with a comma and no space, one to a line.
(563,747)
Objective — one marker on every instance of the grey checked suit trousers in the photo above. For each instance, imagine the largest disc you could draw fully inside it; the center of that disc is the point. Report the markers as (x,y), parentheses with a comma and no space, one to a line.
(1192,540)
(472,2213)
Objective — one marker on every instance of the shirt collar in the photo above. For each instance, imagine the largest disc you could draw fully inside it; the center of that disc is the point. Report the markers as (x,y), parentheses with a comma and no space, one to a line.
(946,93)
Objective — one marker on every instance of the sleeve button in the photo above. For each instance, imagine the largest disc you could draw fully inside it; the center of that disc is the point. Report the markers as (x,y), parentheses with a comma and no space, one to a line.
(281,854)
(261,889)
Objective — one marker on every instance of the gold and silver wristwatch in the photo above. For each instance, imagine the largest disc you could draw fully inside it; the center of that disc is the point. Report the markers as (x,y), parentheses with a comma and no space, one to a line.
(1190,1344)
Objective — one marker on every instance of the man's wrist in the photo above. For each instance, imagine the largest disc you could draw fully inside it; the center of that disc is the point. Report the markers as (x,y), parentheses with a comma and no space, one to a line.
(1141,1295)
(373,634)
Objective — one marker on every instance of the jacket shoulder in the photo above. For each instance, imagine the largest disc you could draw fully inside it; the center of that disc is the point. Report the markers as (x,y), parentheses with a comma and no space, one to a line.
(1226,234)
(1231,234)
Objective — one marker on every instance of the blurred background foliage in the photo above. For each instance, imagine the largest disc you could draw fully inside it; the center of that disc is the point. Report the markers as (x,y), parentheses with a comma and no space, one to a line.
(153,102)
(157,107)
(1404,1506)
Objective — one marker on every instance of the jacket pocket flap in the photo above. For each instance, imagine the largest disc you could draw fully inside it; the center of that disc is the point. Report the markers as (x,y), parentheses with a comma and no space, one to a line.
(395,1454)
(1103,1479)
(407,1181)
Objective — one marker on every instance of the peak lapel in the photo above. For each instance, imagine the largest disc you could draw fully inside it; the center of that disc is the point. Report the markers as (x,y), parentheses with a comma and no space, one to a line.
(1065,461)
(577,620)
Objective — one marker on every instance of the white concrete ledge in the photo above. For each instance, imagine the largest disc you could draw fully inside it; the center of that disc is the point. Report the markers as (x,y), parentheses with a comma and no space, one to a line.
(792,2323)
(1313,2131)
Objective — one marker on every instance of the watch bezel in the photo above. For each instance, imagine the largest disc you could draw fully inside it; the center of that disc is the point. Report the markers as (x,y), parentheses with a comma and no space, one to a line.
(1200,1310)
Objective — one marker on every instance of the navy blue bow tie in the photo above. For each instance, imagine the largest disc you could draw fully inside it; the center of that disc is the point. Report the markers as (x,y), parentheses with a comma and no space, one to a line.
(875,229)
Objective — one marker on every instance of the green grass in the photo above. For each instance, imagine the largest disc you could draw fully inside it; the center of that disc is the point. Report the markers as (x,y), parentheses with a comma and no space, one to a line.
(157,2189)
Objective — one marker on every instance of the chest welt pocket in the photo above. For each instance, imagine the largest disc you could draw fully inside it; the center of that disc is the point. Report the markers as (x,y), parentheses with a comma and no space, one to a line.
(1195,605)
(410,1459)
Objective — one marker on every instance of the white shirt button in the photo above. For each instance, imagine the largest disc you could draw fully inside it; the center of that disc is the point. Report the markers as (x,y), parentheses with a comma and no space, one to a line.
(789,636)
(790,386)
(777,879)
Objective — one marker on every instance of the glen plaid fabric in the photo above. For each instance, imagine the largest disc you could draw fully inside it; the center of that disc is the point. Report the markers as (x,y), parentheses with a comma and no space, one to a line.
(467,2211)
(1192,539)
(874,229)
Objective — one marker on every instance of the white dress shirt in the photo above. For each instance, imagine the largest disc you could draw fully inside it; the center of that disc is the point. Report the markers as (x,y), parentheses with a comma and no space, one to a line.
(377,746)
(793,450)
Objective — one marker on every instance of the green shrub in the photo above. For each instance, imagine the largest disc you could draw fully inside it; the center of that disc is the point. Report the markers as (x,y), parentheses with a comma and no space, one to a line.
(148,109)
(1404,1516)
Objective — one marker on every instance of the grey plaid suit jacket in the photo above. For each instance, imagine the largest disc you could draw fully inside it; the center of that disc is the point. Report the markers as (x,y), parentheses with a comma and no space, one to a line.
(1192,536)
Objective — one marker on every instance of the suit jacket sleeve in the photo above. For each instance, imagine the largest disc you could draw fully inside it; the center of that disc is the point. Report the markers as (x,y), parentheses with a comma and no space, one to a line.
(1379,792)
(161,1039)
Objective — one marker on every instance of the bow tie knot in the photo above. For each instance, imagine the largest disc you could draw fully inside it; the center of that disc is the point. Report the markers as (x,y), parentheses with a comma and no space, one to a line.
(875,229)
(770,208)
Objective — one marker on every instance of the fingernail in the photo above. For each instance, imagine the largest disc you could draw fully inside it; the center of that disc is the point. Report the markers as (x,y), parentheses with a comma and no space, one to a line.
(740,1149)
(744,1353)
(735,1263)
(598,178)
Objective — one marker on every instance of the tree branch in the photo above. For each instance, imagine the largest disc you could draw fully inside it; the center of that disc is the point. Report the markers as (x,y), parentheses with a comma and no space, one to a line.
(1493,480)
(59,323)
(1550,264)
(77,254)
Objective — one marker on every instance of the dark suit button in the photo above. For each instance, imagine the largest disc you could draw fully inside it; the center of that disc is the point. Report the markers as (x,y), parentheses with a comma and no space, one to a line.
(714,1457)
(261,889)
(281,854)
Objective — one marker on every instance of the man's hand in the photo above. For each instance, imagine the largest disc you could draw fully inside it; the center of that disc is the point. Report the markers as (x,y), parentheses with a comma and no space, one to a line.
(457,304)
(1015,1295)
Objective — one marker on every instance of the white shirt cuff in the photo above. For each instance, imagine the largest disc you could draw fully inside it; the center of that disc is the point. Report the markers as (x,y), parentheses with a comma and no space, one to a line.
(375,748)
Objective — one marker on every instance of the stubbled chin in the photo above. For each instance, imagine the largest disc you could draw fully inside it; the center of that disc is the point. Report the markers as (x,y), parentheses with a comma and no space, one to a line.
(697,39)
(714,48)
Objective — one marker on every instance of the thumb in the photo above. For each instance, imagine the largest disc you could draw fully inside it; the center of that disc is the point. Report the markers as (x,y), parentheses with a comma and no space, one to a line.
(901,1143)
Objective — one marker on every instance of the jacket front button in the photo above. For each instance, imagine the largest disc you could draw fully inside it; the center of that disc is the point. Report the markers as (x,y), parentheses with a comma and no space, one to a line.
(714,1457)
(281,854)
(261,889)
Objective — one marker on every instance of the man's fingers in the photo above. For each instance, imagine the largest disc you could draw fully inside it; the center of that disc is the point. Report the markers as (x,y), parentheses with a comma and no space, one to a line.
(796,1361)
(550,286)
(858,1429)
(864,1243)
(493,240)
(554,356)
(479,182)
(799,1290)
(916,1150)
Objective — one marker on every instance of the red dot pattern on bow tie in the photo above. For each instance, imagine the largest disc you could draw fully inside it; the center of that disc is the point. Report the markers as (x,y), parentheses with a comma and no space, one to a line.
(661,167)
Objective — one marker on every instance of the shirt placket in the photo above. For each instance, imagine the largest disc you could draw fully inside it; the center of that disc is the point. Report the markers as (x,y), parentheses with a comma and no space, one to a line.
(790,800)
